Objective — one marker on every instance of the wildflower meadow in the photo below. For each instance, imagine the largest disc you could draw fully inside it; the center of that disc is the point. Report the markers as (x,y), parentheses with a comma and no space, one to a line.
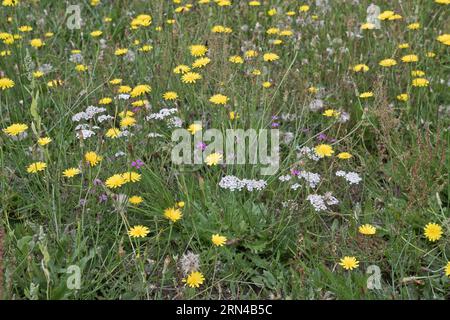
(224,149)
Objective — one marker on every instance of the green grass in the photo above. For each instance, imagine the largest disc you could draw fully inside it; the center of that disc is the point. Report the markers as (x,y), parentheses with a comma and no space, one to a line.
(278,246)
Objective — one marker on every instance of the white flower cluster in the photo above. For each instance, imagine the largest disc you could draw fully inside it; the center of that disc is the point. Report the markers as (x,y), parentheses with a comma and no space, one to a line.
(162,114)
(104,117)
(154,135)
(285,178)
(233,183)
(84,131)
(312,178)
(351,177)
(307,152)
(295,186)
(88,114)
(320,202)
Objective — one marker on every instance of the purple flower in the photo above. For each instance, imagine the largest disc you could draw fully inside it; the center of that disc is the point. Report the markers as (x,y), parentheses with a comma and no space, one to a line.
(102,198)
(275,125)
(97,182)
(295,172)
(201,145)
(137,164)
(322,137)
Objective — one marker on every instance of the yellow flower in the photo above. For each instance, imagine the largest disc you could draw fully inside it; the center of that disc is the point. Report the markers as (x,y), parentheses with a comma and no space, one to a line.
(131,176)
(115,181)
(447,269)
(25,28)
(403,97)
(173,214)
(331,113)
(10,3)
(127,122)
(38,74)
(55,83)
(37,43)
(6,83)
(139,103)
(181,69)
(146,48)
(266,84)
(365,95)
(367,229)
(304,8)
(124,89)
(324,150)
(180,204)
(420,82)
(126,113)
(213,159)
(198,50)
(142,20)
(410,58)
(344,155)
(273,31)
(432,231)
(170,95)
(417,73)
(15,129)
(218,240)
(96,33)
(271,57)
(195,279)
(105,101)
(367,26)
(193,128)
(413,26)
(92,158)
(121,51)
(387,63)
(403,46)
(256,72)
(191,77)
(140,90)
(431,54)
(386,15)
(233,115)
(349,263)
(236,59)
(395,17)
(360,68)
(138,231)
(272,12)
(36,167)
(116,81)
(44,141)
(313,90)
(201,62)
(219,99)
(113,133)
(444,38)
(135,200)
(250,54)
(80,68)
(71,172)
